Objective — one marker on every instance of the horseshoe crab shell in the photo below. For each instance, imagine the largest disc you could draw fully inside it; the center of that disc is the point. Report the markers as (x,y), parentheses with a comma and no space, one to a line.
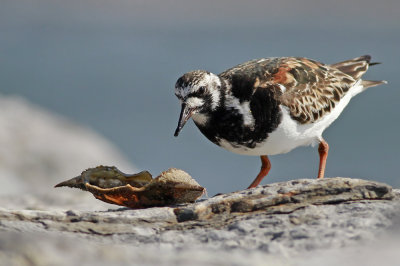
(139,190)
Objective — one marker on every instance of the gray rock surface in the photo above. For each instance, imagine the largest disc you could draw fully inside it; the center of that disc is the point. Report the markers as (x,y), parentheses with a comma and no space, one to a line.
(332,221)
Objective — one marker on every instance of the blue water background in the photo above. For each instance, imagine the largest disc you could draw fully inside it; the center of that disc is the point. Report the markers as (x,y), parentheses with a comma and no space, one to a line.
(112,65)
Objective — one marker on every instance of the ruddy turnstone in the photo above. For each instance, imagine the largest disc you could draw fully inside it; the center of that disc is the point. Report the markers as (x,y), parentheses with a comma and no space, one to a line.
(272,105)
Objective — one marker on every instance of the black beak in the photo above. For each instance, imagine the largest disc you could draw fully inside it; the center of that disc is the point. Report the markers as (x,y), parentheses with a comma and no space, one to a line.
(186,113)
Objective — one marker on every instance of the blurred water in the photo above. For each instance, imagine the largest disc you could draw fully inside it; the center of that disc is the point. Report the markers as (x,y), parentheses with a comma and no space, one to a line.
(118,78)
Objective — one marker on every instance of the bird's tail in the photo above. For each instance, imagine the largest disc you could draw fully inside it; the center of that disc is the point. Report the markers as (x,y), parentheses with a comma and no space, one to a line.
(356,67)
(372,83)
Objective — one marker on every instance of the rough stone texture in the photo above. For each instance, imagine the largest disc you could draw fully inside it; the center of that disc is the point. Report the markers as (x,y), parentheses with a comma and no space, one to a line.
(299,222)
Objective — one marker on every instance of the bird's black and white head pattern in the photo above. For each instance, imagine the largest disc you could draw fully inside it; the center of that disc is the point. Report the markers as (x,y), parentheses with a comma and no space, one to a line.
(200,90)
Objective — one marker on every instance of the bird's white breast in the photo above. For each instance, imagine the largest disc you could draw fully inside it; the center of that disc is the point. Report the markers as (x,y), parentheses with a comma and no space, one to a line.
(291,134)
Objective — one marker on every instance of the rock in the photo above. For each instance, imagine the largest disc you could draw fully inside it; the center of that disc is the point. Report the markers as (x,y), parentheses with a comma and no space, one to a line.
(283,223)
(287,197)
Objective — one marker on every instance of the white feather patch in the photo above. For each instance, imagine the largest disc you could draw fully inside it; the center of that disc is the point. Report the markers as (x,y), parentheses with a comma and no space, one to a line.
(283,88)
(243,109)
(200,119)
(194,102)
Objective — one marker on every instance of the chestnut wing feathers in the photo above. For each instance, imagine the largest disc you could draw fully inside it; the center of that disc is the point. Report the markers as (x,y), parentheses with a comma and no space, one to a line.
(309,89)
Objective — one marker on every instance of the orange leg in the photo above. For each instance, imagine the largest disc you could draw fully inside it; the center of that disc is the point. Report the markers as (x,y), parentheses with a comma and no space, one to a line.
(265,167)
(323,149)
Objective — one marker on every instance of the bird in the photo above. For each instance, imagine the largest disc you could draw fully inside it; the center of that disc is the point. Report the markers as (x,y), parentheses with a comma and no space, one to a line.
(271,106)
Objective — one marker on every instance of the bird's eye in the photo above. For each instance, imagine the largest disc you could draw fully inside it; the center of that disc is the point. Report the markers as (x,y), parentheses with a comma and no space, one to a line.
(202,90)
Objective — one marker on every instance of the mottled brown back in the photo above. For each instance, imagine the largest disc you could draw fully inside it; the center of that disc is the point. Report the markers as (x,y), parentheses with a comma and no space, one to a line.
(311,89)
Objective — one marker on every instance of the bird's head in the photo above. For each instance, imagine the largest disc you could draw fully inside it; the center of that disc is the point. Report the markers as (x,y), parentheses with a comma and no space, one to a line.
(199,94)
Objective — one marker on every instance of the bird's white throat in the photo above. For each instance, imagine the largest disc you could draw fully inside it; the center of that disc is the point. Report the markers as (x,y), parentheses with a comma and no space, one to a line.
(200,119)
